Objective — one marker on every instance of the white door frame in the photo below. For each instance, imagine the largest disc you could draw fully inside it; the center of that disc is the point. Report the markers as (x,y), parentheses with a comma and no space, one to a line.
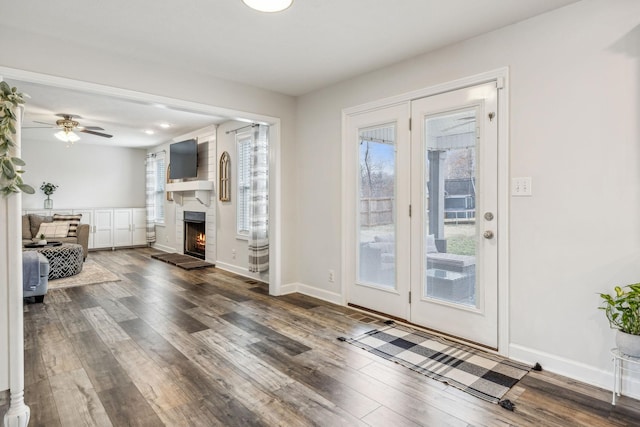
(501,77)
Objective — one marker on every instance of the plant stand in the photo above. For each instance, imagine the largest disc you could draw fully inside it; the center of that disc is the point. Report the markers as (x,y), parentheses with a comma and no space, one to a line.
(619,360)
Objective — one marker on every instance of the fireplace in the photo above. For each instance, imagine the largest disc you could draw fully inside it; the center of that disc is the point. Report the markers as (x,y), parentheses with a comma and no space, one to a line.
(194,234)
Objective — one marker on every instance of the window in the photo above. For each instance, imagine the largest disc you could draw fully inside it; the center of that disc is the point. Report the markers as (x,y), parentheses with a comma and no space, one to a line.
(159,186)
(243,145)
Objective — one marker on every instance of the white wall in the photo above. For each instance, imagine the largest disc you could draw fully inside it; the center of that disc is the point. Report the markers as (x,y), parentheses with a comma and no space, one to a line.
(88,176)
(574,129)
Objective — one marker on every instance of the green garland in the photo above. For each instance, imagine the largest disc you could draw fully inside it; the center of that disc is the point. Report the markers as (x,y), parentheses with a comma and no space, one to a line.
(10,179)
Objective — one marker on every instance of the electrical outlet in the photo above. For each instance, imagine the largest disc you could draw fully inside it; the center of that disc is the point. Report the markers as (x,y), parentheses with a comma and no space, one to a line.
(332,277)
(233,254)
(521,186)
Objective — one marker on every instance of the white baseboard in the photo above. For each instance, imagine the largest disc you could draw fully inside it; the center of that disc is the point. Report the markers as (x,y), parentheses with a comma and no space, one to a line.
(238,270)
(289,288)
(163,248)
(576,370)
(312,291)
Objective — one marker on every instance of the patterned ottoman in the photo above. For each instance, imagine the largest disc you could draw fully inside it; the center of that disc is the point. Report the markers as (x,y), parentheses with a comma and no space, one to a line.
(64,260)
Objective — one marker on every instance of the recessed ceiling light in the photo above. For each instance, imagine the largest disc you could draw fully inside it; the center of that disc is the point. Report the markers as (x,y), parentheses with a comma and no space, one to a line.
(149,132)
(268,5)
(165,125)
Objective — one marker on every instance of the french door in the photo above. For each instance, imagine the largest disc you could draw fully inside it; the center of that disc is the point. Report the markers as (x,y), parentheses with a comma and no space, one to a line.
(424,245)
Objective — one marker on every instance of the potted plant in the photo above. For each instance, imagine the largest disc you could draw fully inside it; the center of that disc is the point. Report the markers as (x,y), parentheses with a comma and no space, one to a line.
(43,239)
(10,166)
(623,312)
(48,189)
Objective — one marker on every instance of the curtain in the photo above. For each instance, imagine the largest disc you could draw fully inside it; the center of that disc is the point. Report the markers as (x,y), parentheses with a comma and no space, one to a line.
(150,193)
(259,201)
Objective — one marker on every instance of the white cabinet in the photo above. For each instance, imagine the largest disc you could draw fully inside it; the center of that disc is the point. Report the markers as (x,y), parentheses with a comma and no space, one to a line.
(103,228)
(139,225)
(129,227)
(109,228)
(122,227)
(87,218)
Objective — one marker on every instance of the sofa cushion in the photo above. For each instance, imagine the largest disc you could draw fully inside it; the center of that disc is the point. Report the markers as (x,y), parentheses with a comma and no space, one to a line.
(73,220)
(53,229)
(26,228)
(35,221)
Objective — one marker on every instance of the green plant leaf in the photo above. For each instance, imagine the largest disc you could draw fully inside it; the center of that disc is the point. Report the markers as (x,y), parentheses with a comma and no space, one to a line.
(26,188)
(17,161)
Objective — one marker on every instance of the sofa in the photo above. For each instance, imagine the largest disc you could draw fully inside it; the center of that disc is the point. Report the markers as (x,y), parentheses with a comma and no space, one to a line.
(35,287)
(61,228)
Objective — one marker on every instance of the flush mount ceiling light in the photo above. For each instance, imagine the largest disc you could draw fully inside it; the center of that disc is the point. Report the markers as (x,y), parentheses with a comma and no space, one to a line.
(268,5)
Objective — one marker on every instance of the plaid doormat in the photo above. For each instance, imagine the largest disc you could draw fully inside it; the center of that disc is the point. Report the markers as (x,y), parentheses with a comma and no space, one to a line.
(481,374)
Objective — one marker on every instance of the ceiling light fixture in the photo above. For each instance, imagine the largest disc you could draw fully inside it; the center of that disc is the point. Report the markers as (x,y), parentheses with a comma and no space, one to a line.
(268,5)
(149,132)
(67,136)
(165,125)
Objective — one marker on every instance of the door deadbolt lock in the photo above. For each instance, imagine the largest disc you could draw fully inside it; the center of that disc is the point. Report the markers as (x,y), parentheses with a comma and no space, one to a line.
(488,216)
(488,234)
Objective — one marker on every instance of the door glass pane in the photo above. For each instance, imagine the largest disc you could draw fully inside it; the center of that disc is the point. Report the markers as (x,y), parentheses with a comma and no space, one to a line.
(451,191)
(376,206)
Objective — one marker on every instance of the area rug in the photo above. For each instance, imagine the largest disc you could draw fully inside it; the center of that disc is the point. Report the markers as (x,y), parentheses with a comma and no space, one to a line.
(91,273)
(478,373)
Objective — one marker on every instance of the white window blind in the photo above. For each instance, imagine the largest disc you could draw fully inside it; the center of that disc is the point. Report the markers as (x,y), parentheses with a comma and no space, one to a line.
(243,218)
(161,179)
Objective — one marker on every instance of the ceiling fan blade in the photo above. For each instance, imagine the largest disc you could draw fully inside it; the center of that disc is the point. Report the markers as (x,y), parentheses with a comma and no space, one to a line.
(90,127)
(69,116)
(105,135)
(45,123)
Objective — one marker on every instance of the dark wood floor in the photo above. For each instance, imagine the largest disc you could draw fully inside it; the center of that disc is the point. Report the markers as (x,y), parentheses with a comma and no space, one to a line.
(165,346)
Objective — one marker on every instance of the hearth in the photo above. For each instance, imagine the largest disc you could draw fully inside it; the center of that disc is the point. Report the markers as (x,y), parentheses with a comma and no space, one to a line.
(195,234)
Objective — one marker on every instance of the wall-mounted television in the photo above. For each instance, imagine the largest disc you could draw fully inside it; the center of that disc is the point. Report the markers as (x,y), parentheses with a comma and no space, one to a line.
(183,158)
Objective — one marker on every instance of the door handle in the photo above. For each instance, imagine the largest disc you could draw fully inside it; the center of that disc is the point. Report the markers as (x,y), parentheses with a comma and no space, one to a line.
(488,234)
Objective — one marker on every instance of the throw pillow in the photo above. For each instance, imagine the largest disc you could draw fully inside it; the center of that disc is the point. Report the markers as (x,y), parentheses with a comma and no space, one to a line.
(53,229)
(73,220)
(35,221)
(26,228)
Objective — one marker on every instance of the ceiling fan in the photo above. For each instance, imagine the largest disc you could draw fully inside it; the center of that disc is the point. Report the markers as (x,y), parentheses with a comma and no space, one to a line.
(68,124)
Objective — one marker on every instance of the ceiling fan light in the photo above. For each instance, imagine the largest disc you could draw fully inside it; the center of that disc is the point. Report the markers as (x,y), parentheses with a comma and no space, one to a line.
(268,5)
(62,136)
(67,136)
(73,137)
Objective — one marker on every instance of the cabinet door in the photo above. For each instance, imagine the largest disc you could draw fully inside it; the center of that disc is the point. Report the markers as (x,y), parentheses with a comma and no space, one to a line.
(122,227)
(139,226)
(87,218)
(103,228)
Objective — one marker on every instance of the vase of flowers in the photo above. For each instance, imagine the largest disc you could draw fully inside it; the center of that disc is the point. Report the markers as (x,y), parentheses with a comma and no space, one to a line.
(48,189)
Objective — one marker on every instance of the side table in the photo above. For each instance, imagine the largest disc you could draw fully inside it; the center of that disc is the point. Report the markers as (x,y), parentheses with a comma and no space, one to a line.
(619,361)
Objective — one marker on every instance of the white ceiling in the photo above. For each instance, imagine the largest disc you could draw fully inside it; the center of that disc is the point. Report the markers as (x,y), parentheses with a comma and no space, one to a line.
(312,44)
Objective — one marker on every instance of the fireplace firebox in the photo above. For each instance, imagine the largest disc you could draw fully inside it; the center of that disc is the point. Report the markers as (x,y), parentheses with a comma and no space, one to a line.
(195,234)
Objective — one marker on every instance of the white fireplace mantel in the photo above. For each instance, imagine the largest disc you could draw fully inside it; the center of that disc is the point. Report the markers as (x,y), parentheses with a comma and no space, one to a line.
(202,190)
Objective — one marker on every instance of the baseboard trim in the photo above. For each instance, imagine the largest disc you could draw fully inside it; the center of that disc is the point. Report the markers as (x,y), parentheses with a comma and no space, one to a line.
(332,297)
(239,271)
(576,370)
(163,248)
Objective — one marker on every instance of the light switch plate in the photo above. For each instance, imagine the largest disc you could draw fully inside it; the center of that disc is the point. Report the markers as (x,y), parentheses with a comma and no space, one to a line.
(521,186)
